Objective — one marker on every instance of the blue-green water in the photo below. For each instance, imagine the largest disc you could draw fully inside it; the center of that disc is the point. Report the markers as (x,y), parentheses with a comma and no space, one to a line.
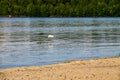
(25,42)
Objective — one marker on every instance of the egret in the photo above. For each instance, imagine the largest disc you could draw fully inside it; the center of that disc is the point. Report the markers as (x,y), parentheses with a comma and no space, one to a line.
(50,36)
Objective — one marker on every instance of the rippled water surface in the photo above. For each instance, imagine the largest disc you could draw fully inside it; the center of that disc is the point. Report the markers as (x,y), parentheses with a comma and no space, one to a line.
(25,42)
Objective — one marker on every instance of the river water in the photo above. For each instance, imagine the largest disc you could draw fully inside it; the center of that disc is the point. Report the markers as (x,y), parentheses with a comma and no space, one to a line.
(25,42)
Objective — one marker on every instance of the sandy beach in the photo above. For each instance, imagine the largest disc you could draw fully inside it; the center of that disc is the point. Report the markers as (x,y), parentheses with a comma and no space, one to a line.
(98,69)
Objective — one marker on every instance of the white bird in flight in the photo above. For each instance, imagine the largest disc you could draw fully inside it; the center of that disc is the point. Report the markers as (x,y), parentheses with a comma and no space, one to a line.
(50,36)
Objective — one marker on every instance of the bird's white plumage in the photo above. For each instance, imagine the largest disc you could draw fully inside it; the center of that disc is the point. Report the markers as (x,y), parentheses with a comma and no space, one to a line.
(50,36)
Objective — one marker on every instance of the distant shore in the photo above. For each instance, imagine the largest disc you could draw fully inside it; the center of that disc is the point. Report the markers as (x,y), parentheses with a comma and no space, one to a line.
(98,69)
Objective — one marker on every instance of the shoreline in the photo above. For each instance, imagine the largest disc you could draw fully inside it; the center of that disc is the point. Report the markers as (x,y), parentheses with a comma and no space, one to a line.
(93,69)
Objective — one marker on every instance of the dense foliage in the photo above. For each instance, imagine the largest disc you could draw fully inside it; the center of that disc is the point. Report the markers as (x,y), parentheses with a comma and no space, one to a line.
(60,8)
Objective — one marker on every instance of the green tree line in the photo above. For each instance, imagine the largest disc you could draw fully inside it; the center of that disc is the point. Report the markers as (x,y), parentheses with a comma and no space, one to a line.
(60,8)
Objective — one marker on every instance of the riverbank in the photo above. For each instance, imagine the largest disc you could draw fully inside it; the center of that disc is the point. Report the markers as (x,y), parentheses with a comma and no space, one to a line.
(98,69)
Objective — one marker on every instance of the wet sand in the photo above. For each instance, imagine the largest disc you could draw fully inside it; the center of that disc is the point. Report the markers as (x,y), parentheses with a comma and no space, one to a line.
(98,69)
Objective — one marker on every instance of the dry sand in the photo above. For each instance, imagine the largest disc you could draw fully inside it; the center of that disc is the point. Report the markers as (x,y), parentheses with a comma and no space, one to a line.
(98,69)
